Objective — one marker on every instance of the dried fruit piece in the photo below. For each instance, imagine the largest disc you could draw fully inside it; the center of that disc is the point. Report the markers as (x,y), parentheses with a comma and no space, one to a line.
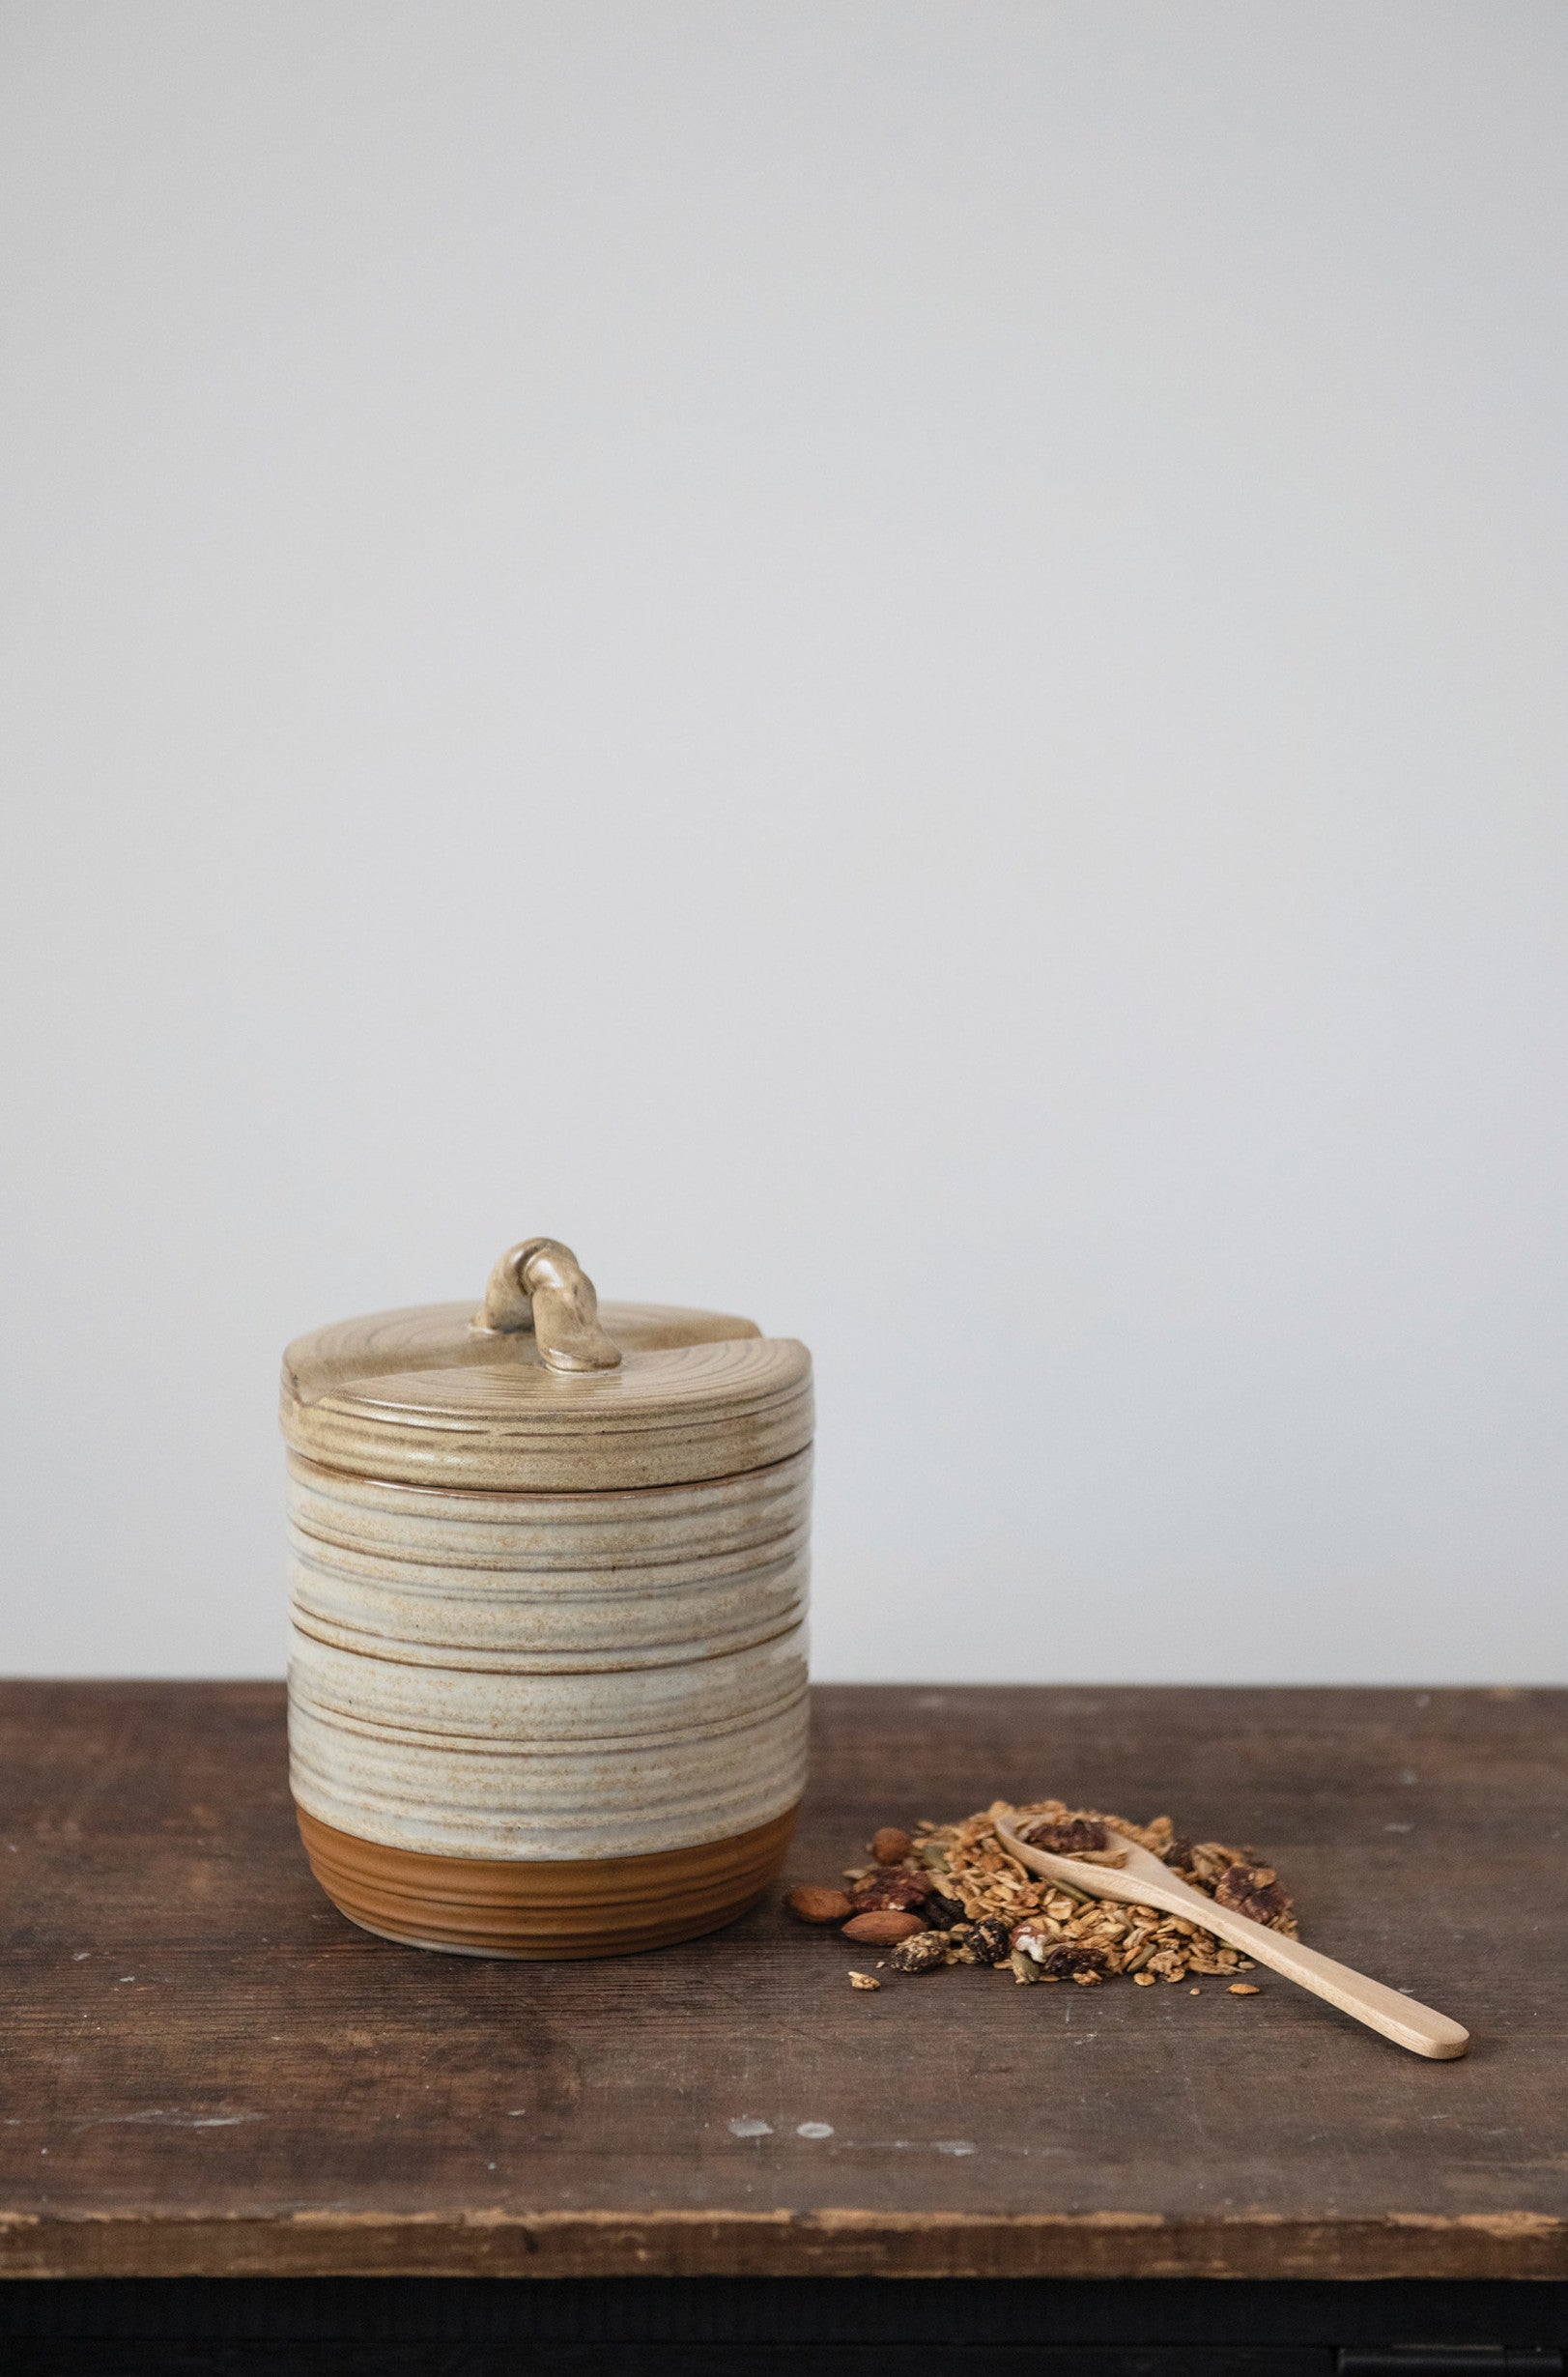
(894,1885)
(942,1911)
(920,1952)
(1070,1838)
(990,1941)
(889,1846)
(882,1926)
(812,1905)
(1253,1890)
(863,1981)
(1074,1960)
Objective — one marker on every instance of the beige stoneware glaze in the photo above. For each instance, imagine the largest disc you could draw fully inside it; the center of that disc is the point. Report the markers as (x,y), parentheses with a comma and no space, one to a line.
(549,1568)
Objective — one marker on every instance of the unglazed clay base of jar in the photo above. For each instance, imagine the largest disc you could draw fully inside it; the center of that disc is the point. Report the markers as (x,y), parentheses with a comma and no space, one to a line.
(567,1908)
(548,1692)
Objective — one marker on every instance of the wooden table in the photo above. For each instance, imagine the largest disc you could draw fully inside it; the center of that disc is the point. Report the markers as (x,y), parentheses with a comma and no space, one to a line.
(208,2074)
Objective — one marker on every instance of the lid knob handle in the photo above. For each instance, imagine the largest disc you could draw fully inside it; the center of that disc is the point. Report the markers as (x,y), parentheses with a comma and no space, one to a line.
(541,1285)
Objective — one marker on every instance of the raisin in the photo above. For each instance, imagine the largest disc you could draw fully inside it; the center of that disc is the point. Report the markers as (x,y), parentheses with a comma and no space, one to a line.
(1072,1959)
(991,1941)
(943,1911)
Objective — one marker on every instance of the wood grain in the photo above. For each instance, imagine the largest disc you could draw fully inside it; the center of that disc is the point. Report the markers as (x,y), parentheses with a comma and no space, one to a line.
(206,2070)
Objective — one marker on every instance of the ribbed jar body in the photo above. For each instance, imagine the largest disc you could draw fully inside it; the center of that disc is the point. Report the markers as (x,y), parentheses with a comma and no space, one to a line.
(548,1676)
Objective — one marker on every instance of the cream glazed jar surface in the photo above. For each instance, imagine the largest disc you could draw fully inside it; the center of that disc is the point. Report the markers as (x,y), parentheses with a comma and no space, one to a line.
(549,1569)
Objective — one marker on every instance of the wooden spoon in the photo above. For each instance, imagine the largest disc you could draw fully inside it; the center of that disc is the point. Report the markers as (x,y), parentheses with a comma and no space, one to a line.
(1138,1878)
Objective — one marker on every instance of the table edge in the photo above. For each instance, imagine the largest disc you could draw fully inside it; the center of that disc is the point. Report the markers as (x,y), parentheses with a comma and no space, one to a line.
(840,2243)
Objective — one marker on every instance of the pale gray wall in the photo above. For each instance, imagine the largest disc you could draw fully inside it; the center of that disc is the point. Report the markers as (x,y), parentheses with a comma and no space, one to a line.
(896,664)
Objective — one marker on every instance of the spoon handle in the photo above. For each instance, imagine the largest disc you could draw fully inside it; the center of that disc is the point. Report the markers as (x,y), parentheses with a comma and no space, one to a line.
(1144,1883)
(1404,2019)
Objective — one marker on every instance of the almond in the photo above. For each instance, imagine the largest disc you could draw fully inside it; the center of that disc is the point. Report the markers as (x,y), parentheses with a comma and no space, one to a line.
(891,1847)
(810,1904)
(883,1927)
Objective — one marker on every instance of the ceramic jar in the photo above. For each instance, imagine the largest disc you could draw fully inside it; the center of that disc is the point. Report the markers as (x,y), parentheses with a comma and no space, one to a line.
(549,1564)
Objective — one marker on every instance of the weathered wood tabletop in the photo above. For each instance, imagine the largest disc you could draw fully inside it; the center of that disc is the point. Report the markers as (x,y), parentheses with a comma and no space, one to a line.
(203,2068)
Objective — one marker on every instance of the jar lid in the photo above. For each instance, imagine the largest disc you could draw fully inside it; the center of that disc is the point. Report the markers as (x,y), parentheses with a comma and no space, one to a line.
(543,1390)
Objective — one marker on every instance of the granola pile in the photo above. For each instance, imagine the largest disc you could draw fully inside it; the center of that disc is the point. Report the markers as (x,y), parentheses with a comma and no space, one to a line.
(953,1894)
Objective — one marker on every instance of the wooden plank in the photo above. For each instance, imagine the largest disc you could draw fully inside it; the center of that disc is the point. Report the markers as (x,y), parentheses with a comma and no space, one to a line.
(205,2070)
